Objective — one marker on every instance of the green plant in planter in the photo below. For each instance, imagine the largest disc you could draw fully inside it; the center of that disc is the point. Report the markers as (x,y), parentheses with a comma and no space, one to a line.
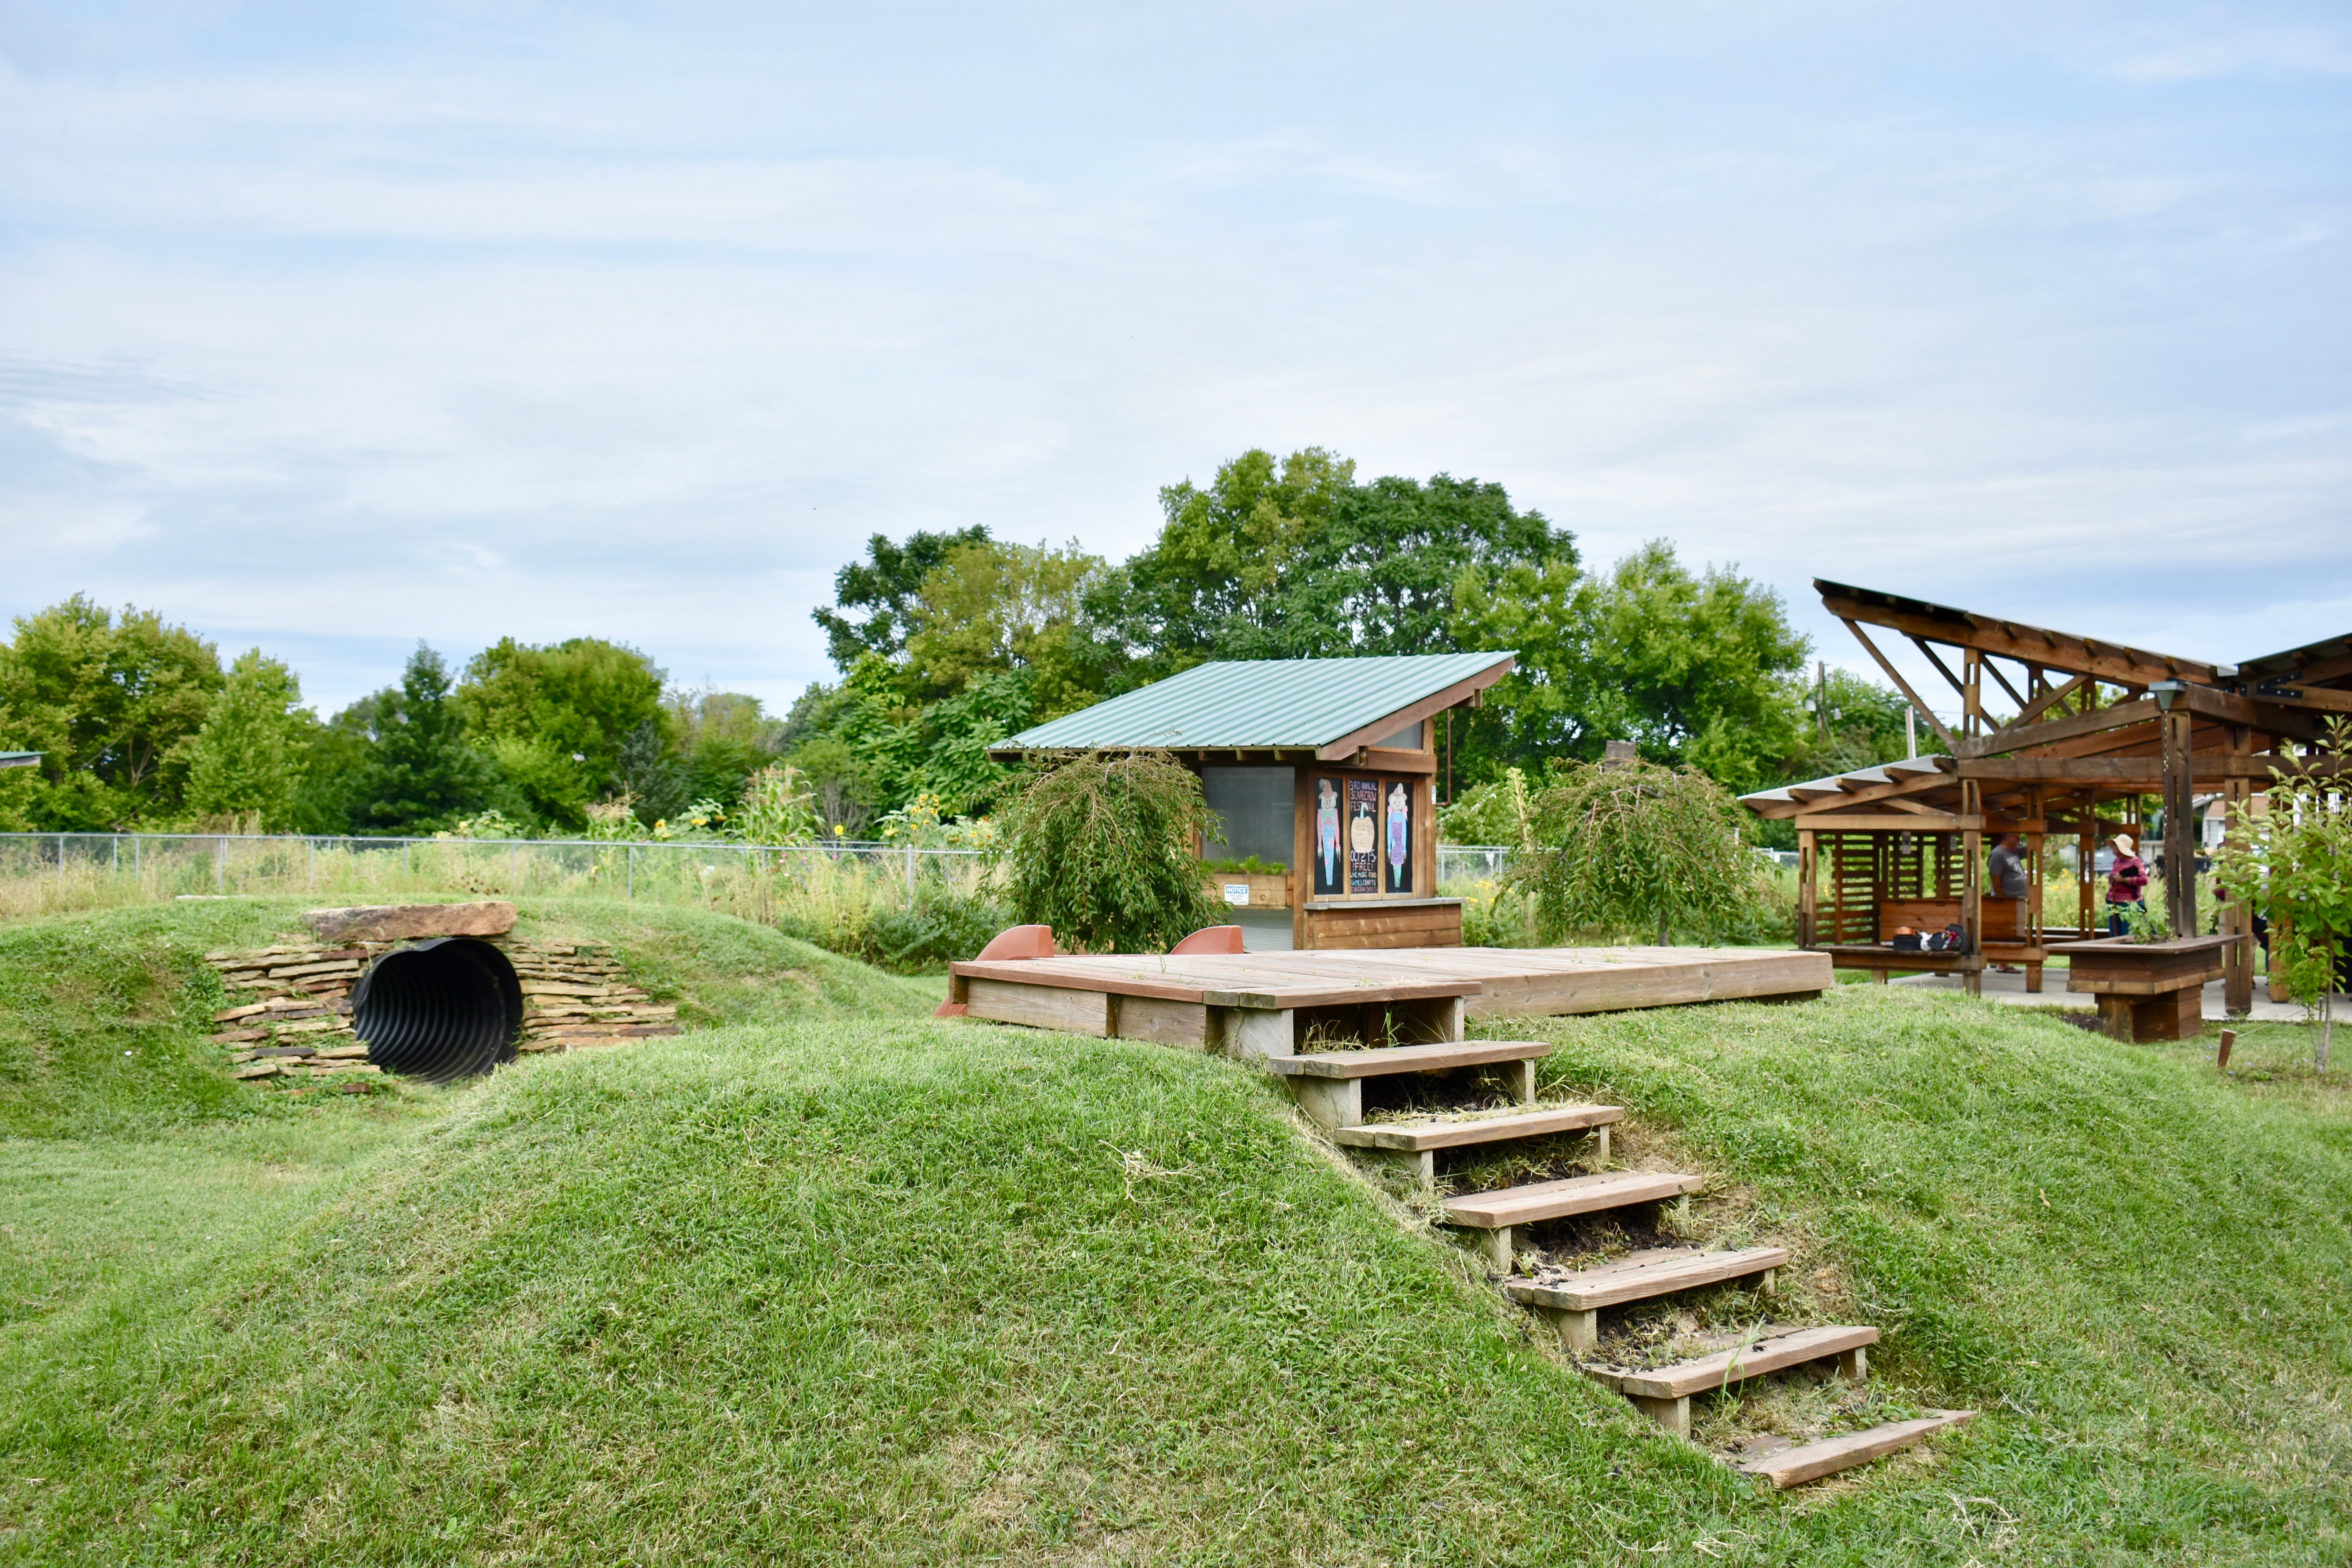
(2145,925)
(2294,860)
(1101,846)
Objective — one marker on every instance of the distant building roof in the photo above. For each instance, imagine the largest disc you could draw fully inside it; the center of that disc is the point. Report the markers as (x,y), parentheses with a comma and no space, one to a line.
(19,759)
(1273,704)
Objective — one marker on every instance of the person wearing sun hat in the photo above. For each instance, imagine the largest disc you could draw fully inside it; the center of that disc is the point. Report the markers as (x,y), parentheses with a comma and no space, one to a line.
(2126,883)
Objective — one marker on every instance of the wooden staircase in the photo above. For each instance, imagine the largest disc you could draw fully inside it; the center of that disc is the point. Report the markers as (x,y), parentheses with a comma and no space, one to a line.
(1329,1087)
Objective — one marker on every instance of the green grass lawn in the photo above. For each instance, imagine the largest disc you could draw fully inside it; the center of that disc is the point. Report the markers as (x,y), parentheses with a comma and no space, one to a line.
(825,1281)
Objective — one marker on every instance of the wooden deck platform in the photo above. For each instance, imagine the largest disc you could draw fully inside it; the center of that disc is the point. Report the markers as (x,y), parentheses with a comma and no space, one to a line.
(1270,1003)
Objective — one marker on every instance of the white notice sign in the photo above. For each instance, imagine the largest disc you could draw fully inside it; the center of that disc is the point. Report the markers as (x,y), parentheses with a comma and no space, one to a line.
(1237,893)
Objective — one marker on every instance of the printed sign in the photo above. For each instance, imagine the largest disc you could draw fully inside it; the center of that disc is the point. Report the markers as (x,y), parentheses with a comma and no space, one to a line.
(1399,826)
(1363,835)
(1237,893)
(1330,861)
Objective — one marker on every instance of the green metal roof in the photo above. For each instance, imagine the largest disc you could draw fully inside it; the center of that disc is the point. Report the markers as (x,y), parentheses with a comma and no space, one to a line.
(19,759)
(1260,703)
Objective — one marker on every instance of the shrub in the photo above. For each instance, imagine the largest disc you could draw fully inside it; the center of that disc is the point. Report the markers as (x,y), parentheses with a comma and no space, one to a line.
(938,927)
(1631,847)
(1102,848)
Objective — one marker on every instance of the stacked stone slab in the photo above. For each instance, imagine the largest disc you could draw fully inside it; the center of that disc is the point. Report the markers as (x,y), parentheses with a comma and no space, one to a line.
(291,1013)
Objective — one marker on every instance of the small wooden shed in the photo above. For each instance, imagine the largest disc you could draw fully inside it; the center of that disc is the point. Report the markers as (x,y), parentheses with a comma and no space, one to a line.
(1327,768)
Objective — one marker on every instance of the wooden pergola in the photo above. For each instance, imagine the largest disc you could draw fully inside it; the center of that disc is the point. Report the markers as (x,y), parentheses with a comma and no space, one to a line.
(2092,728)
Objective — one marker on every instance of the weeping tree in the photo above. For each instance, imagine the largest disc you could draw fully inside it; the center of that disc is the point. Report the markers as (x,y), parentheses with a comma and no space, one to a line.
(1624,846)
(1103,847)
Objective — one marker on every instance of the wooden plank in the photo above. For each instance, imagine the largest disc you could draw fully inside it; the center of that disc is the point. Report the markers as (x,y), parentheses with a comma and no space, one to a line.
(1040,1007)
(1574,1196)
(1445,1057)
(1811,1461)
(1881,822)
(1709,1373)
(1422,1135)
(1658,1271)
(1163,1022)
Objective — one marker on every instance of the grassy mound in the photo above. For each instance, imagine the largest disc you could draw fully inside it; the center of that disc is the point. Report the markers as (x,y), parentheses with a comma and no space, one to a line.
(102,1015)
(836,1286)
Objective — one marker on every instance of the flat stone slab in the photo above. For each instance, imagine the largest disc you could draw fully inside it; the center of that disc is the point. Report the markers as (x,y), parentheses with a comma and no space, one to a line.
(411,922)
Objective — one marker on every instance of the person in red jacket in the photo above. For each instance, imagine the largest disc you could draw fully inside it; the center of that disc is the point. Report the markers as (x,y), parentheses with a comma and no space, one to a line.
(2127,884)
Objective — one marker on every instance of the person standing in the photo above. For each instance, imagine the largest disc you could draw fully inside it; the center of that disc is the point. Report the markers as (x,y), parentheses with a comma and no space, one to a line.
(2127,884)
(2008,879)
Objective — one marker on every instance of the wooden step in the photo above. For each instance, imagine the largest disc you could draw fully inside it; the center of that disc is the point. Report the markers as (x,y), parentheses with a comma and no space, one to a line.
(1664,1392)
(1573,1301)
(1420,1136)
(1443,1057)
(1497,1213)
(1570,1196)
(1792,1467)
(1637,1277)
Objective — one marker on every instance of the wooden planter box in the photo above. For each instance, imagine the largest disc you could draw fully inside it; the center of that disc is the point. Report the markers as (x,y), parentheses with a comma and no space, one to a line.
(2148,990)
(1264,892)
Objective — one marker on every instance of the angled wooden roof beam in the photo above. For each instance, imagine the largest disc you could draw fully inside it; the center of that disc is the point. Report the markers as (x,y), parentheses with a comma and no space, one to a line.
(1902,685)
(1959,628)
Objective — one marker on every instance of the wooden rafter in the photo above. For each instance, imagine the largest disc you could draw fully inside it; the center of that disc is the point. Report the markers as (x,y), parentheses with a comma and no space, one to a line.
(1958,629)
(1994,671)
(1958,685)
(1902,685)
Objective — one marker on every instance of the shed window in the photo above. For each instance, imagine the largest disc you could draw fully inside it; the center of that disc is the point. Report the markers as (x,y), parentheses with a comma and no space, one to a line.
(1257,806)
(1405,739)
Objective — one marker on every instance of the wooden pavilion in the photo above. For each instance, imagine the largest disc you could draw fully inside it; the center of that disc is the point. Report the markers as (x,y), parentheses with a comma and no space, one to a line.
(2097,726)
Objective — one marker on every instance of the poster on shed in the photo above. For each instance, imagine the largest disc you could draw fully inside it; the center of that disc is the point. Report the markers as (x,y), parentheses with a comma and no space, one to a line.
(1363,835)
(1400,825)
(1330,863)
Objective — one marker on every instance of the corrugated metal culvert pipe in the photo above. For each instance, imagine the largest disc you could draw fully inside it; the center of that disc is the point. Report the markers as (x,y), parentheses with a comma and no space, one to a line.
(439,1010)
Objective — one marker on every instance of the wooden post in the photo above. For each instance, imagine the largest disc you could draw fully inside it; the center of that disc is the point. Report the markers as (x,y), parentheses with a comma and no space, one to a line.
(2237,915)
(1972,873)
(2180,843)
(2036,808)
(1808,870)
(2087,874)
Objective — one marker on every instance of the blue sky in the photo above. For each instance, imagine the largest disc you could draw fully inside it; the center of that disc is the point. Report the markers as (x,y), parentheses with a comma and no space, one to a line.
(331,327)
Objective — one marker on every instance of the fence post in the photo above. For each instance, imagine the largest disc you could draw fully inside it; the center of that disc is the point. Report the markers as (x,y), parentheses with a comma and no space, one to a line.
(135,874)
(118,855)
(911,867)
(406,845)
(61,863)
(633,873)
(513,880)
(312,844)
(220,864)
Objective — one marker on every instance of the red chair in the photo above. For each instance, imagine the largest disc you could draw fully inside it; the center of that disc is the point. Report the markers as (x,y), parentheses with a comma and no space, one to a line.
(1209,938)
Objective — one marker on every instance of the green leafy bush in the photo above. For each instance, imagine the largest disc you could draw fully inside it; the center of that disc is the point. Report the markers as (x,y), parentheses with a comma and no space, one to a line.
(1248,865)
(938,927)
(1101,847)
(1632,847)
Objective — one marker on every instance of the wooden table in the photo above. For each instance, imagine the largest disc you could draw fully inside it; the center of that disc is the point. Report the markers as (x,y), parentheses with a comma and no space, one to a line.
(2148,990)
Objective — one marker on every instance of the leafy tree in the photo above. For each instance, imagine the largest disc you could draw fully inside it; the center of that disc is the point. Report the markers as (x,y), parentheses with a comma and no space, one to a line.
(1853,723)
(334,768)
(559,717)
(885,584)
(249,758)
(1697,670)
(644,770)
(1102,849)
(2294,858)
(115,705)
(991,609)
(1630,846)
(1213,585)
(420,775)
(724,738)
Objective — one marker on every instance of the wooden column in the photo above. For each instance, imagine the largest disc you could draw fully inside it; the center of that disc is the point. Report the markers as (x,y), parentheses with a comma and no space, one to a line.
(1972,872)
(2035,810)
(2238,914)
(2086,873)
(1808,876)
(2180,842)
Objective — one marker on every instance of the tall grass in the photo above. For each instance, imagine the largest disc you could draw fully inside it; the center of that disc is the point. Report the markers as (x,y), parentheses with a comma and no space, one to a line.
(907,912)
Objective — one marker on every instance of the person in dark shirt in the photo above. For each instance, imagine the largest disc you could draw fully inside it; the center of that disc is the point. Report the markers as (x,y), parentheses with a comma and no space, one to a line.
(2127,884)
(2009,879)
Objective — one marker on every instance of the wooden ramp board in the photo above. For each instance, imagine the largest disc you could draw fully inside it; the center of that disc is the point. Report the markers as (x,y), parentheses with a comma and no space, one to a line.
(1498,982)
(1792,1347)
(1418,1136)
(1659,1271)
(1388,1060)
(1574,1196)
(1811,1461)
